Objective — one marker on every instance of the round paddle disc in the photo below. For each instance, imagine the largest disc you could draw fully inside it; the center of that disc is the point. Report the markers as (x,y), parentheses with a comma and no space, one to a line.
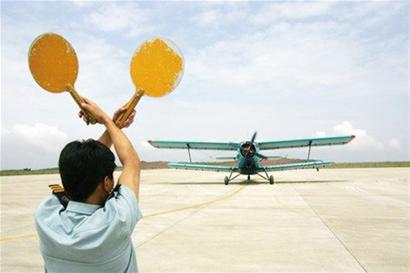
(53,62)
(157,67)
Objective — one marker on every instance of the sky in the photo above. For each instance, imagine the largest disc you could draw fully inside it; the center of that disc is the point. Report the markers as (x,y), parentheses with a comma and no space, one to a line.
(284,69)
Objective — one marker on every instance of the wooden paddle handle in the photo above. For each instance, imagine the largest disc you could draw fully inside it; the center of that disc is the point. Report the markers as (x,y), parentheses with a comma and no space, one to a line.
(130,107)
(79,101)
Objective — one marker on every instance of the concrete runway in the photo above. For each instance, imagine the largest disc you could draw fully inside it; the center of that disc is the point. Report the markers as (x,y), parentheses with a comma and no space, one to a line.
(335,220)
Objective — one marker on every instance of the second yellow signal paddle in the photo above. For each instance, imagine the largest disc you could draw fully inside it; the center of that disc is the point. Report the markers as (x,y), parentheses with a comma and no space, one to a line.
(156,69)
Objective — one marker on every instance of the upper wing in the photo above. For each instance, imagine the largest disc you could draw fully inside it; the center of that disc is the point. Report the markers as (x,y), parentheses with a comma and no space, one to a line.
(299,165)
(225,146)
(202,167)
(297,143)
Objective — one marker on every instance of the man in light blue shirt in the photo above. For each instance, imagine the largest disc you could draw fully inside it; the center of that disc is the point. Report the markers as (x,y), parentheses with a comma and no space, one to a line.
(92,233)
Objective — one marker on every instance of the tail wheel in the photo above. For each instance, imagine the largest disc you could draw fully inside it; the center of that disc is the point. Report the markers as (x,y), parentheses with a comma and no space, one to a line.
(271,180)
(226,180)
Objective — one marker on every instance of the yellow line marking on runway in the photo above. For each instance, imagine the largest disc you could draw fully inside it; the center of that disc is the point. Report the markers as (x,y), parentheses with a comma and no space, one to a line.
(209,202)
(199,205)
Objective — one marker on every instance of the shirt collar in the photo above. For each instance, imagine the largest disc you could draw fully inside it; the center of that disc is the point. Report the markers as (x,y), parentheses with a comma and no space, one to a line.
(83,208)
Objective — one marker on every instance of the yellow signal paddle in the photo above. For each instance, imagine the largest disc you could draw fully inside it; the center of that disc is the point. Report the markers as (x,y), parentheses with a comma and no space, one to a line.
(156,70)
(54,66)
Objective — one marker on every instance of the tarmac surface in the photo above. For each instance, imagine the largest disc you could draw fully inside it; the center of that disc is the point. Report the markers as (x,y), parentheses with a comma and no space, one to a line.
(335,220)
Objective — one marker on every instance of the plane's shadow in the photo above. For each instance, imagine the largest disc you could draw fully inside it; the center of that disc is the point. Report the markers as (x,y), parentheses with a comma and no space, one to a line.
(254,183)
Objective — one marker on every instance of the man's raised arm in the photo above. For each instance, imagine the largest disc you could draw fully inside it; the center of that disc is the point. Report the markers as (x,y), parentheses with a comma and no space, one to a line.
(130,175)
(105,137)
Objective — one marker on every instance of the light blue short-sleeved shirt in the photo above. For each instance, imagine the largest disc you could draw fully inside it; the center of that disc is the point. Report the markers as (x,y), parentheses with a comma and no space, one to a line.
(89,238)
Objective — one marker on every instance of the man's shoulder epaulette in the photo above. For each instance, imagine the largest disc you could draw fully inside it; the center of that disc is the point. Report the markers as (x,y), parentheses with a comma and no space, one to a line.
(62,196)
(59,192)
(116,189)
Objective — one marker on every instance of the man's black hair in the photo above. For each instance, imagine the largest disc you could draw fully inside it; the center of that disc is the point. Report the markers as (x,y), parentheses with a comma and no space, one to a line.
(83,165)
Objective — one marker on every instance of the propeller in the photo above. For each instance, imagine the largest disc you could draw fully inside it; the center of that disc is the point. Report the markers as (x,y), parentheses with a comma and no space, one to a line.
(248,150)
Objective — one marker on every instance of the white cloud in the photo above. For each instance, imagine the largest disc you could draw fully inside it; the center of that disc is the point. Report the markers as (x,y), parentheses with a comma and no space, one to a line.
(215,17)
(362,138)
(123,16)
(394,143)
(44,136)
(284,57)
(301,9)
(103,70)
(364,147)
(207,17)
(290,10)
(83,3)
(325,54)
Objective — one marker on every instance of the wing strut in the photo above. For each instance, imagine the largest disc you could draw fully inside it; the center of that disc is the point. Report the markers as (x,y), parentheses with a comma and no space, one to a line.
(189,152)
(310,147)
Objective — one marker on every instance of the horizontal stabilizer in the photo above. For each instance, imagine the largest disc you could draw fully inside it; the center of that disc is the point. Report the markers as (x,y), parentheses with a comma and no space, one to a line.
(299,165)
(225,158)
(202,167)
(275,157)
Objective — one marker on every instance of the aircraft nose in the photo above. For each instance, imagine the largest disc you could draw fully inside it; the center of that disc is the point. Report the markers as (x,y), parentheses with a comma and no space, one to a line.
(248,149)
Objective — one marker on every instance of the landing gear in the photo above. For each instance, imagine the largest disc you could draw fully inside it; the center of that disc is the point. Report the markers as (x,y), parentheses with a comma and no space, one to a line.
(230,178)
(267,177)
(249,178)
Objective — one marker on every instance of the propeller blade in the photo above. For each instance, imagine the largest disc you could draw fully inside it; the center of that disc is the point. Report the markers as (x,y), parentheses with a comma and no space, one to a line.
(247,150)
(253,137)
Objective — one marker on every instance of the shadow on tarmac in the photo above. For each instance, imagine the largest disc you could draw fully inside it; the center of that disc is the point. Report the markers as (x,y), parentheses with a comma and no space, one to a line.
(253,182)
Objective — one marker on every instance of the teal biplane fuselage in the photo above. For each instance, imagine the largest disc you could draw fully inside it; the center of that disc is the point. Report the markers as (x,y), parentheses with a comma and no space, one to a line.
(248,163)
(248,155)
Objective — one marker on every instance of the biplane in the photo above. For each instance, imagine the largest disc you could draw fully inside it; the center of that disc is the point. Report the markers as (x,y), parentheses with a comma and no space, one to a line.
(248,157)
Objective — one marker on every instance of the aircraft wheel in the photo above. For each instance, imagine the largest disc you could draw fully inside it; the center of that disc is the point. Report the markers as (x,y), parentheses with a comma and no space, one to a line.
(271,180)
(226,180)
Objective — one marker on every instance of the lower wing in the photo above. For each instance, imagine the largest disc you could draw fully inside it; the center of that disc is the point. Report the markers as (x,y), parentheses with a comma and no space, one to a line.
(202,167)
(300,165)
